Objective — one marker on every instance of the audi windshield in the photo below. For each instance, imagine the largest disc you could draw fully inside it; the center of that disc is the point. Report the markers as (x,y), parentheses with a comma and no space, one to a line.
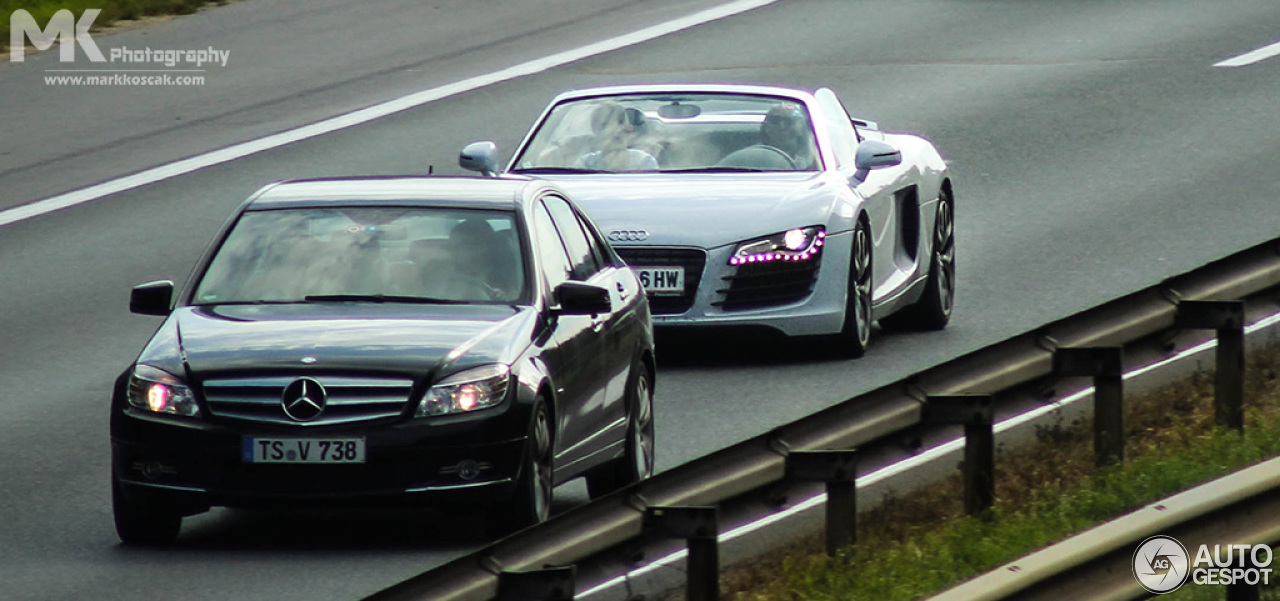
(672,133)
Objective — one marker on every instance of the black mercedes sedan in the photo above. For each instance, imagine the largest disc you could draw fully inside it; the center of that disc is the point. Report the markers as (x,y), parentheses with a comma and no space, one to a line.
(444,341)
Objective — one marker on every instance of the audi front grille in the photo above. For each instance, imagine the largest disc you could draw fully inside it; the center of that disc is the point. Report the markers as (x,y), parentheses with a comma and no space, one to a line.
(761,285)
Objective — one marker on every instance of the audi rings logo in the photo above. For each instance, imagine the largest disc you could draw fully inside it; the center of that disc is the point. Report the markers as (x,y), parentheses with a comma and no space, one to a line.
(1161,564)
(303,400)
(628,235)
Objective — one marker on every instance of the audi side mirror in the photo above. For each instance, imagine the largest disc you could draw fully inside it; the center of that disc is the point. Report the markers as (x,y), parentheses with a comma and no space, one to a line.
(481,157)
(874,154)
(152,298)
(580,298)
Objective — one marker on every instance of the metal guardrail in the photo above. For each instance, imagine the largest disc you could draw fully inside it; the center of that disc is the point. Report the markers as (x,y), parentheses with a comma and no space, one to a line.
(760,461)
(1241,508)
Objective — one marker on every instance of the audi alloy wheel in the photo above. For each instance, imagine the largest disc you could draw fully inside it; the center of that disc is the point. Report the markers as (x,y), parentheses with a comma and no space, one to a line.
(856,334)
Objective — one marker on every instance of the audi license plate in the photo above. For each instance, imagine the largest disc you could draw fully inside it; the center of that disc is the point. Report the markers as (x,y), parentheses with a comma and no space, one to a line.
(662,280)
(303,450)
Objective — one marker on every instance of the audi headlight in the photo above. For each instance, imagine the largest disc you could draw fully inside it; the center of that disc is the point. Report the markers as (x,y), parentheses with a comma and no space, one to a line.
(799,244)
(158,391)
(470,390)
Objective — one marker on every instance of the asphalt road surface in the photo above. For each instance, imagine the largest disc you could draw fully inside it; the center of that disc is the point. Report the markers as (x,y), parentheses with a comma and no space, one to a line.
(1096,149)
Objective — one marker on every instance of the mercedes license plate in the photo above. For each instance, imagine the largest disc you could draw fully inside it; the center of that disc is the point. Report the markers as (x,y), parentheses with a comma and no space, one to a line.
(303,450)
(662,280)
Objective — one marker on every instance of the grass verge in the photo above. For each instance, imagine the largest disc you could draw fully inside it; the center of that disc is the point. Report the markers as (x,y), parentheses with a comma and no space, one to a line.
(112,11)
(920,544)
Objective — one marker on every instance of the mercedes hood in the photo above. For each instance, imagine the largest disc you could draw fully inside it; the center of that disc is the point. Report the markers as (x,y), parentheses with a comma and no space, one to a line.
(375,338)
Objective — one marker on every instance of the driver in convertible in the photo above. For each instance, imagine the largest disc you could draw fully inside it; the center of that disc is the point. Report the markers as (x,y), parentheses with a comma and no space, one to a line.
(615,128)
(786,128)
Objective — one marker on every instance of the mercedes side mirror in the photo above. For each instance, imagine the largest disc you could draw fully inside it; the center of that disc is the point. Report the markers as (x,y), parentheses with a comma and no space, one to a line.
(481,157)
(874,154)
(152,298)
(580,298)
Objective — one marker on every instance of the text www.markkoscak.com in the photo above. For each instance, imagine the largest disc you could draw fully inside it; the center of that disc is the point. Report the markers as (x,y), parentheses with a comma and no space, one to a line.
(124,79)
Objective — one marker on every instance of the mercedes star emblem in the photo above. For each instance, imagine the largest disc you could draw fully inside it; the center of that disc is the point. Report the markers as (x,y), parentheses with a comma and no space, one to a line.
(303,400)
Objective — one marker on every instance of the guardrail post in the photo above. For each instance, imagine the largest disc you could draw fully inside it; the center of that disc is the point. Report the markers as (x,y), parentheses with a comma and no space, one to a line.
(1227,317)
(699,526)
(551,584)
(839,470)
(974,412)
(1106,365)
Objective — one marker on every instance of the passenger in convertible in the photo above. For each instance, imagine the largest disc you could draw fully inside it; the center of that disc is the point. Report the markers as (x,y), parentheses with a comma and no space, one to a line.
(615,128)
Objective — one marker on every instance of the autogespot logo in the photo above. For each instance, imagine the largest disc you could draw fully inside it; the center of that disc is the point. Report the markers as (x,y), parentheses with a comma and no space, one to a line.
(1161,564)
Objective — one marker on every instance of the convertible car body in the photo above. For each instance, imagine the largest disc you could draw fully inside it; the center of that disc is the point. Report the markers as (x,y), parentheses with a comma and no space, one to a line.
(747,205)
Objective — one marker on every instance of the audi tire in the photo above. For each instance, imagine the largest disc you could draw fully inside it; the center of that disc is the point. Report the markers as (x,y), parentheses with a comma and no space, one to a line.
(933,310)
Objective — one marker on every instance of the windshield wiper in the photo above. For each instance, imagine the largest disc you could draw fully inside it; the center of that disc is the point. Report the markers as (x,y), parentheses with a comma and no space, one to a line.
(559,170)
(380,298)
(245,302)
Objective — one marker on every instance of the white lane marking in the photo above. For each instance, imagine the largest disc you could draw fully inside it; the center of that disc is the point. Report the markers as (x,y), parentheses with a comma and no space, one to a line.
(371,113)
(932,454)
(1249,58)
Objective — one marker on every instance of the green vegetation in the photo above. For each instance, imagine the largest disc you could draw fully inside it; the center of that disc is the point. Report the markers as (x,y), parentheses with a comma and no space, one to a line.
(1190,592)
(921,544)
(112,11)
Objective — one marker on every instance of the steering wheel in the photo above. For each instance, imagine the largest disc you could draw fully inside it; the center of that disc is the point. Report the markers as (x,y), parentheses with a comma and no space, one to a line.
(778,151)
(759,156)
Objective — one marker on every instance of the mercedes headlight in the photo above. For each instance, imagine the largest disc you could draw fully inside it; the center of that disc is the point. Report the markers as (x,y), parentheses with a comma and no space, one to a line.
(469,390)
(799,244)
(158,391)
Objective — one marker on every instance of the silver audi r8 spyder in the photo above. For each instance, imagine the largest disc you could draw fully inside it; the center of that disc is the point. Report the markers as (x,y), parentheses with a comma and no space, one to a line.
(749,205)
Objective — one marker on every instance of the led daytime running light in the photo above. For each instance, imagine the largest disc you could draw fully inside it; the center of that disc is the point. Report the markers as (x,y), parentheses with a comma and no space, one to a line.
(780,252)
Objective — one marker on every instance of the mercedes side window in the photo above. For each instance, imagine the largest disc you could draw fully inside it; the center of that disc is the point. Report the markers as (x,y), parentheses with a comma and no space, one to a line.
(602,257)
(555,263)
(586,259)
(598,246)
